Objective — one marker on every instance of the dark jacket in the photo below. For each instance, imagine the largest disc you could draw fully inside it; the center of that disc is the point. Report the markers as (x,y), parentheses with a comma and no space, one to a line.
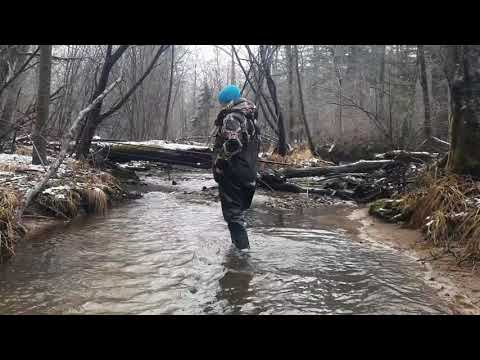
(237,121)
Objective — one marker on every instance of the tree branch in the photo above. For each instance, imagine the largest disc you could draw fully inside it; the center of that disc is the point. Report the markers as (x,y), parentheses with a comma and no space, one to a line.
(21,70)
(118,105)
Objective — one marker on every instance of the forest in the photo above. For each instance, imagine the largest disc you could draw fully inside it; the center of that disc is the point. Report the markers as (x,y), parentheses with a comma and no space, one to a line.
(392,130)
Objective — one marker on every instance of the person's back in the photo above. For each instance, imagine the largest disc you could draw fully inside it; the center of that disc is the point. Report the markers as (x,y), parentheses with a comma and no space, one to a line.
(235,160)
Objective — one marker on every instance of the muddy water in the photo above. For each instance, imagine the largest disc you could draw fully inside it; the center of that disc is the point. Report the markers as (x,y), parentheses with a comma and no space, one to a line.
(168,253)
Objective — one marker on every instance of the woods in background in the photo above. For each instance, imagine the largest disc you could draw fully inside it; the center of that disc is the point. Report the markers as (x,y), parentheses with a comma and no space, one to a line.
(359,97)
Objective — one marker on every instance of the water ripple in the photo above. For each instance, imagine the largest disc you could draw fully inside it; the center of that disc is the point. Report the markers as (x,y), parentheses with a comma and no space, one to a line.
(165,255)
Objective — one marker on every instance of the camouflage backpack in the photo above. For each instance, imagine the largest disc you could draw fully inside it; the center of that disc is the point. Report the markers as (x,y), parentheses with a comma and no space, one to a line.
(236,126)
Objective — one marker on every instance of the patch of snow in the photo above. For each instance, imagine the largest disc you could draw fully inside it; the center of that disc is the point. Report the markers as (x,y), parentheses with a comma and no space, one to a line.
(165,145)
(459,215)
(36,167)
(477,202)
(15,159)
(55,189)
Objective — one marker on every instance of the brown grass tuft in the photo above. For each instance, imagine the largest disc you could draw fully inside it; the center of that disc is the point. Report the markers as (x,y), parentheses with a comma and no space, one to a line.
(96,200)
(66,204)
(445,207)
(8,227)
(23,150)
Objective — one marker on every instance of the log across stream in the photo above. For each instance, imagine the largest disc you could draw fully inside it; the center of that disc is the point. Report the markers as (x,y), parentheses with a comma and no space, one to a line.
(348,181)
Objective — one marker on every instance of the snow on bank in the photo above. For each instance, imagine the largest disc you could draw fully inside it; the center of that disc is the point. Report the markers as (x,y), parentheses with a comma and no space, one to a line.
(15,159)
(14,162)
(18,174)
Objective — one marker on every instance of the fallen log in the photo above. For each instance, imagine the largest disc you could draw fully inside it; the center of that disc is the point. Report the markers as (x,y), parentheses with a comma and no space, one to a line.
(125,152)
(270,181)
(356,167)
(408,156)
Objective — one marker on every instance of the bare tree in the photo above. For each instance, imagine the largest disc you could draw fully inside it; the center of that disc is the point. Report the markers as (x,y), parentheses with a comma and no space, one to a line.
(337,56)
(95,117)
(12,94)
(167,108)
(426,97)
(463,74)
(302,104)
(232,68)
(265,56)
(291,116)
(39,142)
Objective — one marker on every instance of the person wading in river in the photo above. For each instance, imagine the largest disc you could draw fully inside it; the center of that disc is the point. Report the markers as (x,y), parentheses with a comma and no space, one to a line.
(235,160)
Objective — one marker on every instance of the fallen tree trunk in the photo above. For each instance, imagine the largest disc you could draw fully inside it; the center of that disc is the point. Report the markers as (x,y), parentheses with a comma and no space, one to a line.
(408,156)
(125,152)
(268,180)
(357,167)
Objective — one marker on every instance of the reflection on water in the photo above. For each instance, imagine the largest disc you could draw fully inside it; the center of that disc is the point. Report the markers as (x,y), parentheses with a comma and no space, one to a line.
(164,254)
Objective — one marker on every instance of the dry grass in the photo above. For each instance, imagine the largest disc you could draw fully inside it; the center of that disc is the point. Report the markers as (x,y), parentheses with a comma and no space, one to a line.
(79,187)
(66,204)
(8,204)
(446,209)
(88,189)
(8,167)
(23,150)
(96,200)
(299,156)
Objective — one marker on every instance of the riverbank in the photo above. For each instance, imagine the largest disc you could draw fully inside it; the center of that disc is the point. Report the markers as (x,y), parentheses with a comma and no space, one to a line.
(459,286)
(77,189)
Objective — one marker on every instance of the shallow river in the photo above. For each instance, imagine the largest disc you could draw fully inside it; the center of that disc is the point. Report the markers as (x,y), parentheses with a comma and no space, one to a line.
(169,254)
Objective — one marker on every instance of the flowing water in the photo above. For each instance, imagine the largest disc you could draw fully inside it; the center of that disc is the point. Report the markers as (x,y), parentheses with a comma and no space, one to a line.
(170,254)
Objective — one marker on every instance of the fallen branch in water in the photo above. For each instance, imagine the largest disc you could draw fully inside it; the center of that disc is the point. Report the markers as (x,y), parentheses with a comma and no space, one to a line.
(359,166)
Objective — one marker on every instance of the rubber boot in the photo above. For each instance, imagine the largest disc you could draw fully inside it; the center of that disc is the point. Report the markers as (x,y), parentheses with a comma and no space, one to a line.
(239,235)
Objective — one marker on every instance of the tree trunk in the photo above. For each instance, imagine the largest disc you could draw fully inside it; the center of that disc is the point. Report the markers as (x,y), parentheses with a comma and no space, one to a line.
(316,85)
(282,141)
(39,155)
(463,72)
(381,83)
(12,92)
(88,130)
(427,125)
(232,69)
(170,85)
(96,117)
(291,117)
(338,53)
(302,105)
(258,91)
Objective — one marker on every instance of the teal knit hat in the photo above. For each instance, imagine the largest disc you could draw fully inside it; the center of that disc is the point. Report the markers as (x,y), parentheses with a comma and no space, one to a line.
(229,93)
